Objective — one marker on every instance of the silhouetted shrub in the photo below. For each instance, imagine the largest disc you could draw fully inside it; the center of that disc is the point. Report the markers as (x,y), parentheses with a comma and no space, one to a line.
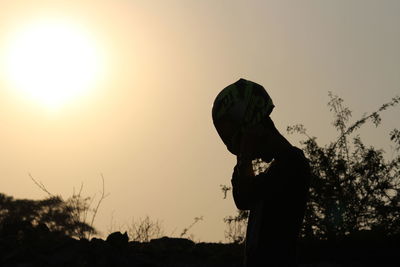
(18,215)
(143,230)
(353,187)
(66,217)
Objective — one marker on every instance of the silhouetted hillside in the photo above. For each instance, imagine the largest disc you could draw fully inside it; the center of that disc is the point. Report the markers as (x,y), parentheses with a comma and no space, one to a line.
(38,246)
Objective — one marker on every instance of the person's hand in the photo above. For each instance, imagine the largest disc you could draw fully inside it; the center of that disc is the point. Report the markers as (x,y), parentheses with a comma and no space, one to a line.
(244,167)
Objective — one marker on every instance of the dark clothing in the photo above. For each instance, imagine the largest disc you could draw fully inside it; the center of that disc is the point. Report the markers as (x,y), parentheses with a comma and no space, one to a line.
(276,200)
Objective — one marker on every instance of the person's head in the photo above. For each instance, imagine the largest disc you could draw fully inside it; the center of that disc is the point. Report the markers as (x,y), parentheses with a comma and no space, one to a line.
(239,107)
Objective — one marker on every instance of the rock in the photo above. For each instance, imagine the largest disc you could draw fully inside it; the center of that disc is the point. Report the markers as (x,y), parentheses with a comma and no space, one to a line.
(172,243)
(118,240)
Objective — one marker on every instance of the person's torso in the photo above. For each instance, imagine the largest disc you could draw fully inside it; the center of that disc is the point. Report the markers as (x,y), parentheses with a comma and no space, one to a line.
(275,221)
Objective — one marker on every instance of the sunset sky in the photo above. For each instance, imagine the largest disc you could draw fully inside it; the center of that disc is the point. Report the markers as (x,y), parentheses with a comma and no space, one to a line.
(124,88)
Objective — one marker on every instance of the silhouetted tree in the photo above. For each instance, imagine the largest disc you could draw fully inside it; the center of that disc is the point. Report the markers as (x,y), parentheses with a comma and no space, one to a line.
(67,217)
(353,186)
(59,216)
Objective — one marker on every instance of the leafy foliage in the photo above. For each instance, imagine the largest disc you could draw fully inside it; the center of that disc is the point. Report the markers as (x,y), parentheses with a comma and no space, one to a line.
(58,215)
(353,186)
(67,217)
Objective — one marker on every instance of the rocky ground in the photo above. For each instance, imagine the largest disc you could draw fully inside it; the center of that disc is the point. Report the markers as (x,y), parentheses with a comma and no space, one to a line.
(41,247)
(44,248)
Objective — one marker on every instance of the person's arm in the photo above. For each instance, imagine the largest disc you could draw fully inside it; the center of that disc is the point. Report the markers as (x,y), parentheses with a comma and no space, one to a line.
(246,187)
(240,184)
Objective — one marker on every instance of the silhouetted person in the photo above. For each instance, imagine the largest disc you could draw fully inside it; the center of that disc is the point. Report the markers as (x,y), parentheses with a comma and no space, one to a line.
(276,198)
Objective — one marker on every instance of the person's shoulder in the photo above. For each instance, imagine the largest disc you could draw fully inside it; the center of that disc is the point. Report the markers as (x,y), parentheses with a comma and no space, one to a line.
(297,155)
(294,151)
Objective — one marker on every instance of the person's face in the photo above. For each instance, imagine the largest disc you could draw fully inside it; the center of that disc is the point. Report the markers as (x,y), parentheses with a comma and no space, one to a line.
(255,142)
(230,134)
(251,143)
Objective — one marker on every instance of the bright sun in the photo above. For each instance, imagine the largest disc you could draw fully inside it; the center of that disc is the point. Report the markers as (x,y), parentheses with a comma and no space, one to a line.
(53,62)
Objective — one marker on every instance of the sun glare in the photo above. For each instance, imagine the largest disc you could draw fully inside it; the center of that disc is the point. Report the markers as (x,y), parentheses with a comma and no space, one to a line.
(52,62)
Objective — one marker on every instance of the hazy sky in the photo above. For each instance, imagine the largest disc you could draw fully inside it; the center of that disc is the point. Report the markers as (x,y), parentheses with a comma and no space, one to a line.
(147,125)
